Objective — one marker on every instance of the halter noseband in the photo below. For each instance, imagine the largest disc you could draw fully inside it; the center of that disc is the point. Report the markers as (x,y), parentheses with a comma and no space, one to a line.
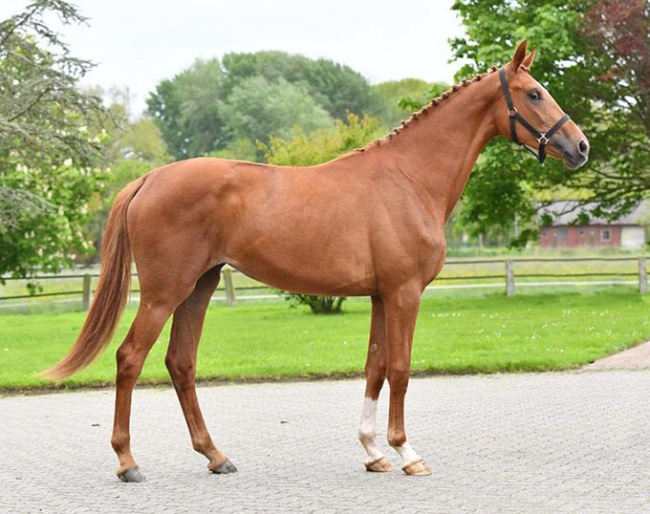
(543,138)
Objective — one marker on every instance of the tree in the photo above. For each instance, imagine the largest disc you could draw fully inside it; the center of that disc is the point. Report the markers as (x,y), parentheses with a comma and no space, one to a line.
(335,87)
(617,33)
(395,92)
(320,146)
(131,150)
(309,149)
(409,103)
(252,96)
(577,67)
(258,109)
(49,151)
(242,149)
(188,110)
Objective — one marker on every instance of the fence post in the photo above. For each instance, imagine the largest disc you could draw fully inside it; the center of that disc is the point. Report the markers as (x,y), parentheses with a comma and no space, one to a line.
(643,275)
(510,278)
(86,291)
(230,288)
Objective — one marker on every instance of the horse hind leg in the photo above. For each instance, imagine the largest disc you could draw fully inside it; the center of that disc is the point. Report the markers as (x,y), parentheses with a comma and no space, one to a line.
(181,363)
(163,288)
(131,355)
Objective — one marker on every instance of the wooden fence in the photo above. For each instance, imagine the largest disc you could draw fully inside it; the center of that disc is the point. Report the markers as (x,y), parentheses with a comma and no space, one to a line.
(508,274)
(535,272)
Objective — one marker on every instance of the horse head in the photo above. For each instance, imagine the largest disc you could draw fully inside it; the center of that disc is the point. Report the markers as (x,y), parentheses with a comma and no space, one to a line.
(533,119)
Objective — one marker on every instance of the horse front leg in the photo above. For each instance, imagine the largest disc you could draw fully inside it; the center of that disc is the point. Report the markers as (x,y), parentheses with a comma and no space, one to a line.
(401,310)
(375,372)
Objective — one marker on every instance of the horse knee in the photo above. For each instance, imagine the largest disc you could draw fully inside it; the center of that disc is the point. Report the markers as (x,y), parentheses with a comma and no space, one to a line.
(375,381)
(398,379)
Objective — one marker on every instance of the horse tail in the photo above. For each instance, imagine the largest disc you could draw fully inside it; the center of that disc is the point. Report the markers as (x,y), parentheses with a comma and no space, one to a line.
(111,294)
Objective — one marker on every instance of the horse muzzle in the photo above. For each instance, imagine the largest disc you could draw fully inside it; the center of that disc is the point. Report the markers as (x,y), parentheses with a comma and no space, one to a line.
(573,155)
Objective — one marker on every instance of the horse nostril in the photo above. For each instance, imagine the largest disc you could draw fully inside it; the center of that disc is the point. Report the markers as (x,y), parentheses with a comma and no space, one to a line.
(583,147)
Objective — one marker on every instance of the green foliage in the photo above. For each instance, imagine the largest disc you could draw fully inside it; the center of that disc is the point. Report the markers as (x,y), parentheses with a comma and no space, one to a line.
(617,51)
(119,174)
(394,91)
(188,110)
(310,149)
(411,104)
(47,241)
(254,96)
(141,140)
(334,87)
(239,149)
(599,81)
(131,149)
(258,109)
(49,148)
(317,304)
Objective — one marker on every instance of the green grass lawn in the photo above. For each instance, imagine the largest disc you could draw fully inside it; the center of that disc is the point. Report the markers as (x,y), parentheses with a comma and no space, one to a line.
(456,333)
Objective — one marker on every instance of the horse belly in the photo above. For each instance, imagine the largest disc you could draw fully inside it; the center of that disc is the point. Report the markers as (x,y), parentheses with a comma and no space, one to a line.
(308,265)
(322,285)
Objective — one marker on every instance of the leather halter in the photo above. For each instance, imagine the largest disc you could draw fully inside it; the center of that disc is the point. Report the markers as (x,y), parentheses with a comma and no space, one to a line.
(543,138)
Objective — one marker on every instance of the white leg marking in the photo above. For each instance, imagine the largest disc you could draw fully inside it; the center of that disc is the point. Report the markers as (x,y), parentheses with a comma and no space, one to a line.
(408,454)
(367,431)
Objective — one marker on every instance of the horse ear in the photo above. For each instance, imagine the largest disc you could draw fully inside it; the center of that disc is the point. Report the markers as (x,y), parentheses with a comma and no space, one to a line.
(528,61)
(520,55)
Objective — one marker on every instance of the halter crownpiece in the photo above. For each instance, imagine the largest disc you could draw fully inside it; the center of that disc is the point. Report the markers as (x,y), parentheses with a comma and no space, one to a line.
(543,138)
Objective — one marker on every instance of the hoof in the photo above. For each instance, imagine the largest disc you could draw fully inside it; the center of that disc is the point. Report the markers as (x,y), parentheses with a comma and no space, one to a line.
(417,469)
(380,465)
(132,475)
(225,467)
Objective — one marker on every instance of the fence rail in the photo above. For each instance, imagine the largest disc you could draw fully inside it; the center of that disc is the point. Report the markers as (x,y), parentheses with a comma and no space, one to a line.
(508,274)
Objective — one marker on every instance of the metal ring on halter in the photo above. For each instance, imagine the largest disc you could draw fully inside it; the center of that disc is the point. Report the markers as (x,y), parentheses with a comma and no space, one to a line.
(512,112)
(543,140)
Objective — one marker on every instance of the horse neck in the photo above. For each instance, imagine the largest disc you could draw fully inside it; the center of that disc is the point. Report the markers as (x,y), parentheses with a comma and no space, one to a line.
(438,148)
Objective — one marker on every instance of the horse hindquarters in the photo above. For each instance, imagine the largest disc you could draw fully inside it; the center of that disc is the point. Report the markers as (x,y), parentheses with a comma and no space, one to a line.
(170,253)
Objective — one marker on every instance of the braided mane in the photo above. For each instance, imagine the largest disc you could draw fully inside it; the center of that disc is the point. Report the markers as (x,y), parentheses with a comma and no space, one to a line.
(430,106)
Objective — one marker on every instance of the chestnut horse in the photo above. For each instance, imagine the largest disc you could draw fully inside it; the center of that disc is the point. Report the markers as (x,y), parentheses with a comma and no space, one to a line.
(368,223)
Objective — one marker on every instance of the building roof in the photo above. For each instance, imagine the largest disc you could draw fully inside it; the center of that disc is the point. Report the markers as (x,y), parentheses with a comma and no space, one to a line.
(567,212)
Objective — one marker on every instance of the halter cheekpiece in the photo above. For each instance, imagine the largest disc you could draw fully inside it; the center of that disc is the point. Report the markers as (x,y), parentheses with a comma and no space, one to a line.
(543,138)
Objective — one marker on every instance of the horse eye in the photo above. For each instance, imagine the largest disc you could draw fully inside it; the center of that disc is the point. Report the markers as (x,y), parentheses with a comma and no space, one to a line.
(534,95)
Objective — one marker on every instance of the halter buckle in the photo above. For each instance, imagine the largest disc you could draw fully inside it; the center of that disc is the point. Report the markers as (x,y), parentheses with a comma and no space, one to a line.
(512,112)
(543,140)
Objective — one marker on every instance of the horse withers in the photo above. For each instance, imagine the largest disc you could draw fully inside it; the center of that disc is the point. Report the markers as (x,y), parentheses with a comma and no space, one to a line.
(369,223)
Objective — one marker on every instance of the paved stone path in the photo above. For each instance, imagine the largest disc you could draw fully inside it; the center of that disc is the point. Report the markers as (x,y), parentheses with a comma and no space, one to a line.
(533,443)
(634,358)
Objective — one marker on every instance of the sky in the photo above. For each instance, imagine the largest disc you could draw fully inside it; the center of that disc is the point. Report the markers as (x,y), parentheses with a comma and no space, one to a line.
(135,44)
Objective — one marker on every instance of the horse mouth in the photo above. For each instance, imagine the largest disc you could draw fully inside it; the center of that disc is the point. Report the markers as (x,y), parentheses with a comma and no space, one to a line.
(572,161)
(573,158)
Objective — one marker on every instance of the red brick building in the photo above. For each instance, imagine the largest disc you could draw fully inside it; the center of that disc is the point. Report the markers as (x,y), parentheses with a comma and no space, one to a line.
(627,232)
